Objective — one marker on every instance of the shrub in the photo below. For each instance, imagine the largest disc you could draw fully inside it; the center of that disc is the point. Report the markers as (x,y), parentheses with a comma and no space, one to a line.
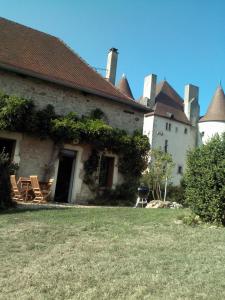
(205,178)
(123,195)
(5,187)
(176,193)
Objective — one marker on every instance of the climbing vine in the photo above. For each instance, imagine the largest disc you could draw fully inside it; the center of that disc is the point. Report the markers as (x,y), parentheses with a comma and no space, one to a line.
(18,114)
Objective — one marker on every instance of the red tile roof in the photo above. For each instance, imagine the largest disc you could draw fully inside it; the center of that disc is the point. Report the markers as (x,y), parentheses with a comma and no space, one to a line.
(41,55)
(169,104)
(124,87)
(216,110)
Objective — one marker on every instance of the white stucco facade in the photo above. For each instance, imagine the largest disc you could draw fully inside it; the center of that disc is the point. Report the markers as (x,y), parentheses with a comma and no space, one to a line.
(174,137)
(208,129)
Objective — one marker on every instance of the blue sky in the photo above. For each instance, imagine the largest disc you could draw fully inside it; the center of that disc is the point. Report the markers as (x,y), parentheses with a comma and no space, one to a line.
(180,40)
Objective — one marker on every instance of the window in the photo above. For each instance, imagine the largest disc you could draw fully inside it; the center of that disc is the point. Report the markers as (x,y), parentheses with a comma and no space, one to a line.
(8,146)
(180,170)
(166,146)
(185,131)
(106,171)
(168,126)
(176,129)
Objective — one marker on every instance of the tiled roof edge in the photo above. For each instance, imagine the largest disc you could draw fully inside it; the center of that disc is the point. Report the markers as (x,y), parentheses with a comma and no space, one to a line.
(132,103)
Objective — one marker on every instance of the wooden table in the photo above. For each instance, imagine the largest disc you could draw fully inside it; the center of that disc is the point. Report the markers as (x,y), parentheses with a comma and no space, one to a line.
(25,184)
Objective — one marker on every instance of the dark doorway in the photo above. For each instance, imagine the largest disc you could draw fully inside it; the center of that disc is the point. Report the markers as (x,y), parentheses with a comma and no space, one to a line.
(106,172)
(8,146)
(65,175)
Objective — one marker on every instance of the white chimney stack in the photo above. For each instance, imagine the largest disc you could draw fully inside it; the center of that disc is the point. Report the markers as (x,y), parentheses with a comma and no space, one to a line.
(191,106)
(149,91)
(111,65)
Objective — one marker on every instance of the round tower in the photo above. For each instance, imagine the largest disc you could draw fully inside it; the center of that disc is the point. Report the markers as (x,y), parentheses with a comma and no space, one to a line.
(214,120)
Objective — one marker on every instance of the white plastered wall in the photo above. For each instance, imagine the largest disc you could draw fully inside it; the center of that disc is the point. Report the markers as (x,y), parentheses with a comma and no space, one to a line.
(209,129)
(178,142)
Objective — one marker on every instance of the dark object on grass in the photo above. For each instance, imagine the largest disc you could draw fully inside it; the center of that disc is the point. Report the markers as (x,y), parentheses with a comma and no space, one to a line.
(143,192)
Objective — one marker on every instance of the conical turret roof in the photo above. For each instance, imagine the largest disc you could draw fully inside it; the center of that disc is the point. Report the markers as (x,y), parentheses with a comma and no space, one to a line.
(124,87)
(216,110)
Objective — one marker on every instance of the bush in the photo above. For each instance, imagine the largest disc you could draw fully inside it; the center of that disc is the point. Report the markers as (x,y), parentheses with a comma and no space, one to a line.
(176,193)
(205,180)
(123,195)
(5,186)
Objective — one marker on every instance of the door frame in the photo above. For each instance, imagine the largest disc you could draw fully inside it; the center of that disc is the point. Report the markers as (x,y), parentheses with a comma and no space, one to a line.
(17,137)
(76,181)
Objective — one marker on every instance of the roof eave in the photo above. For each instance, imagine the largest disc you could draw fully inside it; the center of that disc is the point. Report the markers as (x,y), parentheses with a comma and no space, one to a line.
(30,73)
(172,119)
(213,120)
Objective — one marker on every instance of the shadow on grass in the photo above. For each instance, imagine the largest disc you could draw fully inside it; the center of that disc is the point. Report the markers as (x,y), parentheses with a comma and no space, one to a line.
(32,208)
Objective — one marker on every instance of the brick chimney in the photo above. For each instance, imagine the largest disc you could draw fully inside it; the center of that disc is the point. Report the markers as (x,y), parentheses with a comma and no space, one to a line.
(111,65)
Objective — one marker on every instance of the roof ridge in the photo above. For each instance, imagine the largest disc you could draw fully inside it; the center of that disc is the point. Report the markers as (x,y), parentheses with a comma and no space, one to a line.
(41,55)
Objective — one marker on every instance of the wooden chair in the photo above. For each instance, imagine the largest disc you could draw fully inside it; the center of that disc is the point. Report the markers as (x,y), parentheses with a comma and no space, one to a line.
(18,194)
(41,195)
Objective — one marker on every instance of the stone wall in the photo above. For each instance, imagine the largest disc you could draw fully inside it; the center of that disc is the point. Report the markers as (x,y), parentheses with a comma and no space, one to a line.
(66,100)
(40,157)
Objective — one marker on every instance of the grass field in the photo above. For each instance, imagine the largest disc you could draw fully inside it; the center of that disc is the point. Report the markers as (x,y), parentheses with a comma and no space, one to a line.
(103,253)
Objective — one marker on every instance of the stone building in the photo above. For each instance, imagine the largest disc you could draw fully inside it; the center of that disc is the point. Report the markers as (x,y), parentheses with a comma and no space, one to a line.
(174,124)
(38,66)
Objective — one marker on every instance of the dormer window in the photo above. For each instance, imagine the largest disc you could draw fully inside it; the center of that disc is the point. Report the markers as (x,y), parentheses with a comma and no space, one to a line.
(169,115)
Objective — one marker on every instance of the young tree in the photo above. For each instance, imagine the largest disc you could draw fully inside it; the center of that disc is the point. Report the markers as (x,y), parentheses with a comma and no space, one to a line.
(205,180)
(158,173)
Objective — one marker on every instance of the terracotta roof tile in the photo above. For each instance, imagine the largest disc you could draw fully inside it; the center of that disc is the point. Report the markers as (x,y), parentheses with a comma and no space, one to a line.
(168,103)
(124,87)
(41,55)
(216,110)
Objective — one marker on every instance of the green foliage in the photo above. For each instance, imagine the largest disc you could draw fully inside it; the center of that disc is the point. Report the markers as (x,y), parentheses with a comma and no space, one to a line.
(191,220)
(205,178)
(15,113)
(90,167)
(176,193)
(123,195)
(42,121)
(6,168)
(96,114)
(159,170)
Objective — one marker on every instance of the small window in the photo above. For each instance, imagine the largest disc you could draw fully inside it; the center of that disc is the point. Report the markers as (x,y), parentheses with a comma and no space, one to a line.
(185,131)
(166,146)
(106,171)
(8,146)
(168,126)
(176,129)
(180,170)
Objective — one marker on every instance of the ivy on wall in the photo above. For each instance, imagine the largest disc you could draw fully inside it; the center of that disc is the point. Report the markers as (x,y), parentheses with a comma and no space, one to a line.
(18,114)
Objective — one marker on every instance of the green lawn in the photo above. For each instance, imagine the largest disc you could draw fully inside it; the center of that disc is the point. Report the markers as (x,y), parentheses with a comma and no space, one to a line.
(109,253)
